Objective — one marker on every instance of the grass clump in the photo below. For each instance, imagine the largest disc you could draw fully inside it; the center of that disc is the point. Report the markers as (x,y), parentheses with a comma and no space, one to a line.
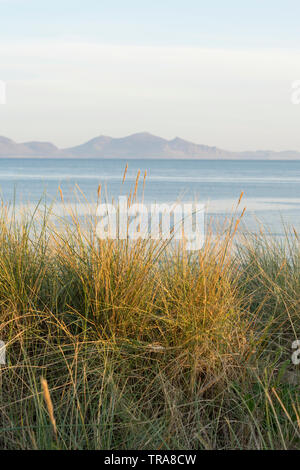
(144,346)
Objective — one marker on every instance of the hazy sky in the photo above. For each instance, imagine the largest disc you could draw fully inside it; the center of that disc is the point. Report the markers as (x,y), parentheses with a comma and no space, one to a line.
(215,72)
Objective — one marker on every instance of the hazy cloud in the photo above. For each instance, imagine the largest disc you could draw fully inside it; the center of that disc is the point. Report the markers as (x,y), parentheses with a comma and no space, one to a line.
(69,92)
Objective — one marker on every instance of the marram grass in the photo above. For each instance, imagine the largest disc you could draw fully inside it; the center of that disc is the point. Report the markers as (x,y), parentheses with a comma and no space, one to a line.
(116,345)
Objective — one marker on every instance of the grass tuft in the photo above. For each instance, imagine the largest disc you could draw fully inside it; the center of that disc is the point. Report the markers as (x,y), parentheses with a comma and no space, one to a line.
(141,345)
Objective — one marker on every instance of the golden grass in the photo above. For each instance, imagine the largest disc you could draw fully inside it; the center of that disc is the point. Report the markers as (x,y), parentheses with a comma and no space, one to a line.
(143,345)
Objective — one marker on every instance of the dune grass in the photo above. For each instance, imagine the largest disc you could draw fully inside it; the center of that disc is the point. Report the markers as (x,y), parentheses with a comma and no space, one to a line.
(117,345)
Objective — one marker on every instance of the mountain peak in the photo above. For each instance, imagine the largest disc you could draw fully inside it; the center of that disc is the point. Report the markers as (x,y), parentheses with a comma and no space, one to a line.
(140,136)
(139,145)
(5,140)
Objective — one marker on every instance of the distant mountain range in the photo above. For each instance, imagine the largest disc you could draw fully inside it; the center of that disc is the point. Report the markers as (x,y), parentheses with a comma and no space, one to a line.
(142,145)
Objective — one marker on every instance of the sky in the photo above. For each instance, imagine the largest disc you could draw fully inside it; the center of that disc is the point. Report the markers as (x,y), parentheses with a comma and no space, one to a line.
(216,73)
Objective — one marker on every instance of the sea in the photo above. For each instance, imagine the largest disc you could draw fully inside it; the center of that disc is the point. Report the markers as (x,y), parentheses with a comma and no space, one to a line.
(271,189)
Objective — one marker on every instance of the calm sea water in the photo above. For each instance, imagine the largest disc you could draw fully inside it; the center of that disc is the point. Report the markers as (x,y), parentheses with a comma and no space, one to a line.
(272,188)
